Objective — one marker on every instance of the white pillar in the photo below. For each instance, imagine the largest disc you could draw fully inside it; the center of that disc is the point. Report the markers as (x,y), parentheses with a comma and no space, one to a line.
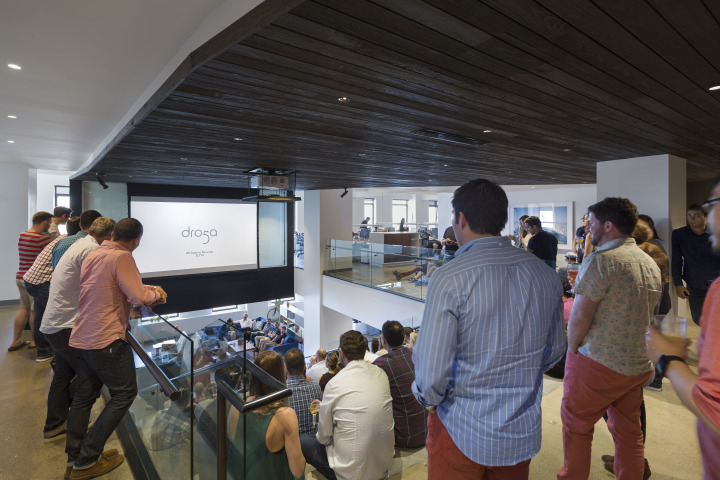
(656,185)
(327,216)
(444,212)
(18,184)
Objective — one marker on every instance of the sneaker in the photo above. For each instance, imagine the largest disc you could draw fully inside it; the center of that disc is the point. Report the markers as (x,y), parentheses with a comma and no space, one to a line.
(101,467)
(107,453)
(397,275)
(655,385)
(44,358)
(609,463)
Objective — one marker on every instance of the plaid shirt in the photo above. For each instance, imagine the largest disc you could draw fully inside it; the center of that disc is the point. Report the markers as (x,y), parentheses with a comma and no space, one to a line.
(42,269)
(304,392)
(410,417)
(170,428)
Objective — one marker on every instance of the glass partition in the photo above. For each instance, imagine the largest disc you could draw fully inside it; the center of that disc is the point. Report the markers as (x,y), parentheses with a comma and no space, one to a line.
(398,269)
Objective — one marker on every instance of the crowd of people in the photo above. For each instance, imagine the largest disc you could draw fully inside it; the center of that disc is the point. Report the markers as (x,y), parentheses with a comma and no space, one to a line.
(77,291)
(468,387)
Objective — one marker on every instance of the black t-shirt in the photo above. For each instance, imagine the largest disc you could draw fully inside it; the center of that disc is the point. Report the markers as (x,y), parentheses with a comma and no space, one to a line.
(450,233)
(544,246)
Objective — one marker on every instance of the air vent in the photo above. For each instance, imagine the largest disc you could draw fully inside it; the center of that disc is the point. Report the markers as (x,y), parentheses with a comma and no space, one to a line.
(449,137)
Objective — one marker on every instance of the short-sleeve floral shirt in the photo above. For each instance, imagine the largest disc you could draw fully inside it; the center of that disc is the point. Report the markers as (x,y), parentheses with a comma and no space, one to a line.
(626,284)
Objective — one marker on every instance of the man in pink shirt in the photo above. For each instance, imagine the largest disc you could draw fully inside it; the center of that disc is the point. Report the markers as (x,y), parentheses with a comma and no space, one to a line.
(701,392)
(110,284)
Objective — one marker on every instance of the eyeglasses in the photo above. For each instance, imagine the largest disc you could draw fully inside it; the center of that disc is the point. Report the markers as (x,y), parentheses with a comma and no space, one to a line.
(709,204)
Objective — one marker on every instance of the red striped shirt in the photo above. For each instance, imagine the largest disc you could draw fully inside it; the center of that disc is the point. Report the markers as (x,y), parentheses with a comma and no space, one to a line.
(30,244)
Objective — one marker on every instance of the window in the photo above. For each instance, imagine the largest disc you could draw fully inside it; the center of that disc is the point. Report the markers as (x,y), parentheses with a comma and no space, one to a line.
(432,213)
(399,211)
(62,196)
(369,210)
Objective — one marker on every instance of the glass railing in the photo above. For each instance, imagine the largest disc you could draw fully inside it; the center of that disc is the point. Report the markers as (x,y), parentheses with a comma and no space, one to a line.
(398,269)
(172,426)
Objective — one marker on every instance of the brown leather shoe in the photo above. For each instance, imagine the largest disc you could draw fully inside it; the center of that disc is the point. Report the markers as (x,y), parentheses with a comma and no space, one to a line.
(107,453)
(101,467)
(609,463)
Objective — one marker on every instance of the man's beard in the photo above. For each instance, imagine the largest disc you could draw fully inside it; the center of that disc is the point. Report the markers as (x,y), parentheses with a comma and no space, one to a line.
(595,240)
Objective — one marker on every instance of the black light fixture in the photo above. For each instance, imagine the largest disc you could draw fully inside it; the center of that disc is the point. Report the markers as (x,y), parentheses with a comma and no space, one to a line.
(342,195)
(100,180)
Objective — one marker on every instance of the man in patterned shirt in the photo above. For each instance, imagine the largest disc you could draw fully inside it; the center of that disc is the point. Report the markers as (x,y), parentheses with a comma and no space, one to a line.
(606,365)
(410,417)
(30,244)
(304,391)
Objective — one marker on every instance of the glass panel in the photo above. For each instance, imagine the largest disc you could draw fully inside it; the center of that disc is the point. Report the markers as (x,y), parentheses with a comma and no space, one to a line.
(272,238)
(400,269)
(164,426)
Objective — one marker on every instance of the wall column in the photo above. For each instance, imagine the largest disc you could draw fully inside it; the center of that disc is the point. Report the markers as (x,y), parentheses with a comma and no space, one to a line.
(657,186)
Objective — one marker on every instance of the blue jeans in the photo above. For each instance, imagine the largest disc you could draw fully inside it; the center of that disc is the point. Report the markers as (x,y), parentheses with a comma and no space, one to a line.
(62,386)
(315,454)
(114,367)
(40,294)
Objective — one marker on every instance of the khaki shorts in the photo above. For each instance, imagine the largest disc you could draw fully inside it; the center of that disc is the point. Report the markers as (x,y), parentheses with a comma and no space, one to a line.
(25,298)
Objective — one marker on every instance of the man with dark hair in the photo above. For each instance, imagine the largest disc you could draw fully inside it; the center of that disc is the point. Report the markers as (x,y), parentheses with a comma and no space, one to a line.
(37,284)
(693,261)
(60,217)
(410,417)
(542,244)
(698,391)
(59,319)
(30,244)
(304,391)
(110,284)
(86,220)
(493,323)
(355,422)
(606,366)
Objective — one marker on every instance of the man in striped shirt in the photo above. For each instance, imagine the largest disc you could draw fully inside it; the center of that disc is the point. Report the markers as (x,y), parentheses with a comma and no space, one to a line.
(493,322)
(30,244)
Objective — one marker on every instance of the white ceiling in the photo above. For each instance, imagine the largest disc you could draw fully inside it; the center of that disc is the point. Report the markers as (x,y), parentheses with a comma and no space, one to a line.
(86,65)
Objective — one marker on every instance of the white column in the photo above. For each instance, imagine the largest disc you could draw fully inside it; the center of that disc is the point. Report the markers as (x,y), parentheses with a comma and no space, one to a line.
(18,185)
(657,186)
(444,212)
(327,216)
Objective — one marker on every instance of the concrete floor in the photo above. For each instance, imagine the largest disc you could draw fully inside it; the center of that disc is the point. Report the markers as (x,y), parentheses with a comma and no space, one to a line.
(671,448)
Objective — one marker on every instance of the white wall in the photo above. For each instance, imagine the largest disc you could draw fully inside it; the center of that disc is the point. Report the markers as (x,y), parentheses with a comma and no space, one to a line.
(582,197)
(46,182)
(17,199)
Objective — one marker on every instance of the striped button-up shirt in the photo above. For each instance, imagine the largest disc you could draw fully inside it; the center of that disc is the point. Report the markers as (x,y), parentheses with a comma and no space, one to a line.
(42,269)
(493,323)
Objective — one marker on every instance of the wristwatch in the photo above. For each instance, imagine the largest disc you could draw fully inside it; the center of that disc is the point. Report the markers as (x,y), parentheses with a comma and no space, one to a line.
(664,361)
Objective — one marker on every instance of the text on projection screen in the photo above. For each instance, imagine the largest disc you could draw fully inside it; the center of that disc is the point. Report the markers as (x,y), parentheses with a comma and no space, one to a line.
(185,237)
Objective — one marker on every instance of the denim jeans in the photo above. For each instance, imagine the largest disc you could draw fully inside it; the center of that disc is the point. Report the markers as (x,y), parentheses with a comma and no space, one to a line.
(114,367)
(315,454)
(40,294)
(62,385)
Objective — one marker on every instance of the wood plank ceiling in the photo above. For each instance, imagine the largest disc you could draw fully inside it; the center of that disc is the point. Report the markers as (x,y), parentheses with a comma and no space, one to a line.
(552,86)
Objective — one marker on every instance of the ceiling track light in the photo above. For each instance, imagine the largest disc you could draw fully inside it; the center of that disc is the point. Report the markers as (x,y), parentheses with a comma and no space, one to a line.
(716,87)
(99,176)
(342,195)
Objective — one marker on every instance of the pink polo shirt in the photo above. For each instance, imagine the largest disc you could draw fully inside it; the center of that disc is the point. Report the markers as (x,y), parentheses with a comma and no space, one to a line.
(110,284)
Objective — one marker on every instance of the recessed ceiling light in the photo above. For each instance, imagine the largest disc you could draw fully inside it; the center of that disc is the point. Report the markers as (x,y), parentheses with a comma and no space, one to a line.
(183,158)
(14,67)
(12,116)
(129,176)
(532,187)
(237,139)
(445,165)
(487,131)
(11,141)
(716,87)
(361,154)
(566,149)
(343,99)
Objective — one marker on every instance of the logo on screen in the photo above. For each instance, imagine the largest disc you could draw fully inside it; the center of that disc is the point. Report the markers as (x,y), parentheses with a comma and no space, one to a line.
(197,233)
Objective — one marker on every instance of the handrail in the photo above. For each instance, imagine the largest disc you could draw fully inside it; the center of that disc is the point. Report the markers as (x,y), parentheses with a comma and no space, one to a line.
(227,394)
(167,386)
